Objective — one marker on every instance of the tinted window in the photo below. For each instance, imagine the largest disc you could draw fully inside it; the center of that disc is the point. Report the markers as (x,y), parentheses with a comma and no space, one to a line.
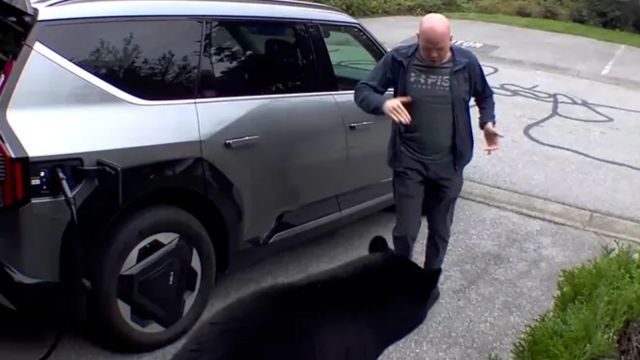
(150,59)
(353,55)
(255,58)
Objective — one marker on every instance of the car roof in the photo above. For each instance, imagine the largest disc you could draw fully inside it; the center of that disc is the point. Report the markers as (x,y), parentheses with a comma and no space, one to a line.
(288,9)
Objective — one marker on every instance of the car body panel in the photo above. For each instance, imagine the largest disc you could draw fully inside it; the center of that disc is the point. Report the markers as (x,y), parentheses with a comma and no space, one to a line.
(367,136)
(53,96)
(23,5)
(30,238)
(297,158)
(277,165)
(367,175)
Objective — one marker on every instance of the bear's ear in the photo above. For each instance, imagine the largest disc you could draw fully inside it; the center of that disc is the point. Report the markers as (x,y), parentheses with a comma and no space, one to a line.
(378,245)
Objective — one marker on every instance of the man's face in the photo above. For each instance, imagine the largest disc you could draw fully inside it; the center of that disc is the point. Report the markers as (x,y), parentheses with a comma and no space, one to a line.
(435,48)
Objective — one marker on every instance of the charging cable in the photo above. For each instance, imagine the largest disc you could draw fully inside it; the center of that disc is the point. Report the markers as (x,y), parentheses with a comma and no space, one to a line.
(68,197)
(71,203)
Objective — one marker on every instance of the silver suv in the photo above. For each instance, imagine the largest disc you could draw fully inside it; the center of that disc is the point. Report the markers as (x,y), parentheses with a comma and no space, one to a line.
(145,144)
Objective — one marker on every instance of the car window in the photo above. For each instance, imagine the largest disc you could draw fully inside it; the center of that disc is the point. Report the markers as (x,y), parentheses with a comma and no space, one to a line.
(150,59)
(247,58)
(353,55)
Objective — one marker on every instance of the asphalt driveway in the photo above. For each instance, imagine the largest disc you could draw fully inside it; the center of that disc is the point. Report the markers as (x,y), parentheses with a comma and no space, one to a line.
(500,273)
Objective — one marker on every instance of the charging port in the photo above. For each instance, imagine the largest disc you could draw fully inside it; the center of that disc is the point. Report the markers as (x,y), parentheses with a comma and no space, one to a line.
(45,177)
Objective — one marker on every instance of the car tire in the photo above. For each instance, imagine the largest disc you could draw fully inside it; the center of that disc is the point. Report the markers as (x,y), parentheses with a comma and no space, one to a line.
(153,277)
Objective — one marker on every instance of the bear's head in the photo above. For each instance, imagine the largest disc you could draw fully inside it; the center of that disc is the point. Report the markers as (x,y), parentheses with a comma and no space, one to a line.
(401,267)
(378,245)
(399,284)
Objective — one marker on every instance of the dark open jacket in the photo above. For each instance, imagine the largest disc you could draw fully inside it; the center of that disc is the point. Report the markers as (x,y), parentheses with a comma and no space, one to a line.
(467,81)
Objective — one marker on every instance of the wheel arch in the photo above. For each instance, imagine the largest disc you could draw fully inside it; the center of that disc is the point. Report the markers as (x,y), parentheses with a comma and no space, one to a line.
(196,204)
(200,189)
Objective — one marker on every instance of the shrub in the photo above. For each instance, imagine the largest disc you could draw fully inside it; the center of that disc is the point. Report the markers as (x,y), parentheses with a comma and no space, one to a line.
(595,303)
(491,6)
(613,14)
(550,9)
(395,7)
(525,9)
(358,7)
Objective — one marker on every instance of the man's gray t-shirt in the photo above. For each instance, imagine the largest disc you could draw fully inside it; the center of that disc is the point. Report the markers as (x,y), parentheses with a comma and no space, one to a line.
(429,137)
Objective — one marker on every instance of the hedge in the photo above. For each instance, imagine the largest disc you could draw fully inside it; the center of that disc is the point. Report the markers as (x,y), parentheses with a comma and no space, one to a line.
(609,14)
(595,314)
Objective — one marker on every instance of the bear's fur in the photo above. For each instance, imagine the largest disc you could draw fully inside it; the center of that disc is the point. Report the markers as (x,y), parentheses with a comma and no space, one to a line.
(352,311)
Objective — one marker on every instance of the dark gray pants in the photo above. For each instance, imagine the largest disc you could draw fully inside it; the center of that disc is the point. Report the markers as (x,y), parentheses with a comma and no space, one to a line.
(431,190)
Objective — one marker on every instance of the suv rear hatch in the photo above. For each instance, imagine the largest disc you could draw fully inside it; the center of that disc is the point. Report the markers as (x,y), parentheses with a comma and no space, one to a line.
(17,18)
(23,5)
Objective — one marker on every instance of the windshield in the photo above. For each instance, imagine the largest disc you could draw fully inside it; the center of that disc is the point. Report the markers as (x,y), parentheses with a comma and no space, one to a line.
(14,28)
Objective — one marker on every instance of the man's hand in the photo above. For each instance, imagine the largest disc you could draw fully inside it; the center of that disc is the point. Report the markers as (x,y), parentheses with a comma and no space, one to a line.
(395,109)
(491,136)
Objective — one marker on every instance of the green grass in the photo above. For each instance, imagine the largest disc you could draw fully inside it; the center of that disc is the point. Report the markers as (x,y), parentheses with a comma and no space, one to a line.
(589,311)
(619,37)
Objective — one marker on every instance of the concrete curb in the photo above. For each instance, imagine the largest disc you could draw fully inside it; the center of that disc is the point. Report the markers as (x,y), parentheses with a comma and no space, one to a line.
(612,80)
(548,210)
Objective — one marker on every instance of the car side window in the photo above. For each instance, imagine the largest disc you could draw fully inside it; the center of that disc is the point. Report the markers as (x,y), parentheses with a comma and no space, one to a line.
(149,59)
(248,58)
(352,54)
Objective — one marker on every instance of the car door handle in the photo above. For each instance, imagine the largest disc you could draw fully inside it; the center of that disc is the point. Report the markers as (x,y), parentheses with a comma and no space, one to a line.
(355,126)
(239,142)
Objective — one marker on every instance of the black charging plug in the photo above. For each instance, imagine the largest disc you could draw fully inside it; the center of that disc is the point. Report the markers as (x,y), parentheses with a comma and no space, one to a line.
(68,197)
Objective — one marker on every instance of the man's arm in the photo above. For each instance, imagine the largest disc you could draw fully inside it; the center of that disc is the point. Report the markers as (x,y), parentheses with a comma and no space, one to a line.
(482,94)
(369,93)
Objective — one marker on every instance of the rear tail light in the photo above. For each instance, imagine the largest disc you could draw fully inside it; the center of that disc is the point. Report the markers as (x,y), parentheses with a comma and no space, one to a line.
(4,77)
(13,177)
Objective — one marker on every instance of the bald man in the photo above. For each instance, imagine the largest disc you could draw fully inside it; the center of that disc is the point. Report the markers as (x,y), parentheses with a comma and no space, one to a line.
(431,140)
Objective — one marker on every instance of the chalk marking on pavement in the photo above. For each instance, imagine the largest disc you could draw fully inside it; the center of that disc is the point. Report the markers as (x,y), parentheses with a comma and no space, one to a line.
(609,65)
(469,44)
(472,45)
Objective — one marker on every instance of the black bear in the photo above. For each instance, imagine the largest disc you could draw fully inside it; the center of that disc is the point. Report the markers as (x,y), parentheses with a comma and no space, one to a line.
(353,311)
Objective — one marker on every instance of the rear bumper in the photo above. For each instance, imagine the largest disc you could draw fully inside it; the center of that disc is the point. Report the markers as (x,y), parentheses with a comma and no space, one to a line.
(31,238)
(19,292)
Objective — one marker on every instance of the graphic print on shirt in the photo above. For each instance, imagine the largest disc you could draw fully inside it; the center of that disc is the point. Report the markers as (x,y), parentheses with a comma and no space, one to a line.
(431,82)
(429,136)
